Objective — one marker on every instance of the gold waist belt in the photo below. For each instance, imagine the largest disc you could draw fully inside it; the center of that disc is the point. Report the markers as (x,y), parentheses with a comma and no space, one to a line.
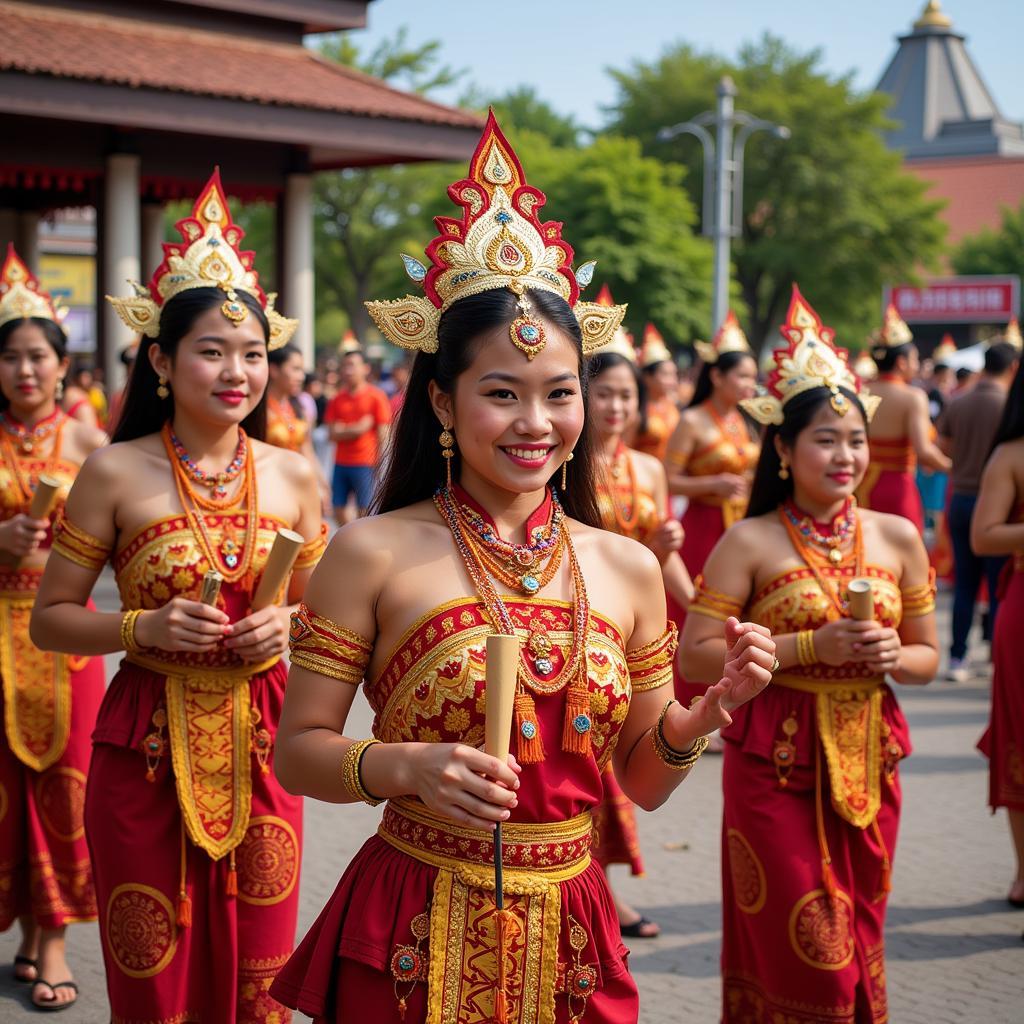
(210,725)
(862,685)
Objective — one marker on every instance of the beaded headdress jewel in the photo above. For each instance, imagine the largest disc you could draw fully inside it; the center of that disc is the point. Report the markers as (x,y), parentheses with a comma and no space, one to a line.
(208,256)
(810,360)
(498,242)
(20,294)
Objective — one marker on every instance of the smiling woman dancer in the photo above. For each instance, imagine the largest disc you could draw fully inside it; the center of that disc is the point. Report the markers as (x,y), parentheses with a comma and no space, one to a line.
(195,846)
(49,702)
(499,376)
(811,779)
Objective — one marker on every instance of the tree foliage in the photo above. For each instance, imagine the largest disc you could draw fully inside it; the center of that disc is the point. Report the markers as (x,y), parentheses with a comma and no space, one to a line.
(831,208)
(994,252)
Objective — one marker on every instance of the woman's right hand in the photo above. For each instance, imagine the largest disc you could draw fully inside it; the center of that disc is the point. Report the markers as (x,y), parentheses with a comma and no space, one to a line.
(730,486)
(465,784)
(21,535)
(181,625)
(835,642)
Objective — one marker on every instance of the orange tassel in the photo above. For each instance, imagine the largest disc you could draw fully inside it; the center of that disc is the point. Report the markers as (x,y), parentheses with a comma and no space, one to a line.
(885,879)
(150,775)
(578,722)
(184,918)
(529,742)
(231,885)
(828,879)
(401,1008)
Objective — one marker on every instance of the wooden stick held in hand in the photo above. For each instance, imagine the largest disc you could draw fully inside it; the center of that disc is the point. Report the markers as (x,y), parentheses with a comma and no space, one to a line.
(44,497)
(862,602)
(279,564)
(211,587)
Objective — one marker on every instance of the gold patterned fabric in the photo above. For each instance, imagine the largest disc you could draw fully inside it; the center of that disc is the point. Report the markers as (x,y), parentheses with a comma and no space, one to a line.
(80,547)
(320,645)
(713,603)
(312,551)
(650,666)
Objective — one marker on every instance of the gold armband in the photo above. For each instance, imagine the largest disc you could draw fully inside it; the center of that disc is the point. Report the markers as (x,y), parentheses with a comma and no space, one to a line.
(323,646)
(713,603)
(128,641)
(677,760)
(919,600)
(78,546)
(650,666)
(805,652)
(351,772)
(311,552)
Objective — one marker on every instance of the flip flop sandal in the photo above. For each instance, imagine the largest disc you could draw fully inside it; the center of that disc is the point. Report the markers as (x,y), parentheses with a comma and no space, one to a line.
(24,961)
(635,930)
(53,1007)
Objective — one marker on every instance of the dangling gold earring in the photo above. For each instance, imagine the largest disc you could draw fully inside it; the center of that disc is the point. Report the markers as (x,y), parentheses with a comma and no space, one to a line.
(162,390)
(447,442)
(58,392)
(564,466)
(783,470)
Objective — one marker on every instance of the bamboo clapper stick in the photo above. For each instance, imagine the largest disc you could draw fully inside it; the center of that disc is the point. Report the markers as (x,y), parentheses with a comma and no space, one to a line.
(279,564)
(44,497)
(861,599)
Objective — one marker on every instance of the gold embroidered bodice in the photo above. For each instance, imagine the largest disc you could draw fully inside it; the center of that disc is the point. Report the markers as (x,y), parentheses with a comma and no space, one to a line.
(646,516)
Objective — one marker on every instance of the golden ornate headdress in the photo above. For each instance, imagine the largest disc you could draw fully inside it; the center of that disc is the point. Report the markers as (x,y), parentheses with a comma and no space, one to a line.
(810,360)
(208,256)
(944,349)
(864,367)
(622,341)
(20,294)
(728,338)
(1012,335)
(894,332)
(653,350)
(498,242)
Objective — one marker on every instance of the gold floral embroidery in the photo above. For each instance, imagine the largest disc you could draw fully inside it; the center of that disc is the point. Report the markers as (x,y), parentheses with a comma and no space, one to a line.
(140,930)
(267,861)
(821,930)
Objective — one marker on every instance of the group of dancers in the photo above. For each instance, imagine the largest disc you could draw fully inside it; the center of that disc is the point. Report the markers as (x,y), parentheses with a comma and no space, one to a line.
(510,503)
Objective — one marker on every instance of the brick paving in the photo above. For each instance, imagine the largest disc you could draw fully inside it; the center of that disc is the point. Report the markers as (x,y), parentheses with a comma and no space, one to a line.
(955,954)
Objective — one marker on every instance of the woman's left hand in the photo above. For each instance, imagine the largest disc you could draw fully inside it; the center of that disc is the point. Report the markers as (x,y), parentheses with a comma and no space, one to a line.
(261,635)
(668,537)
(880,649)
(749,657)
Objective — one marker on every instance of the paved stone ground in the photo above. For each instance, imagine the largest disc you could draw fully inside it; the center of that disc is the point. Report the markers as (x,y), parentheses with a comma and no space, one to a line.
(955,954)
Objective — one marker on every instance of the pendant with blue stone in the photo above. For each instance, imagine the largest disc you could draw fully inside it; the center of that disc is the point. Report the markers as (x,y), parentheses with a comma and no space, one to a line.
(530,583)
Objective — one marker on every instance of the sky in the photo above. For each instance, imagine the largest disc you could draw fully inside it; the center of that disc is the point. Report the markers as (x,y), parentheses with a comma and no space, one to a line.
(563,47)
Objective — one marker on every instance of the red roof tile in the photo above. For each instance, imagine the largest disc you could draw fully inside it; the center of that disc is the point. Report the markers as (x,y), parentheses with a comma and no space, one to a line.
(121,51)
(976,188)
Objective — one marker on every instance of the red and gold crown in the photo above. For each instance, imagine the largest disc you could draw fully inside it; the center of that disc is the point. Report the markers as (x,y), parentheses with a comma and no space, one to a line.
(944,349)
(208,256)
(728,338)
(653,350)
(622,341)
(498,242)
(1013,336)
(810,360)
(895,331)
(20,294)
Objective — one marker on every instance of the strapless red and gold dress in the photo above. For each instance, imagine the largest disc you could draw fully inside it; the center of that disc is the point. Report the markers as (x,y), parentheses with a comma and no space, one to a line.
(890,483)
(195,846)
(812,801)
(1003,742)
(629,510)
(49,704)
(662,420)
(412,919)
(285,427)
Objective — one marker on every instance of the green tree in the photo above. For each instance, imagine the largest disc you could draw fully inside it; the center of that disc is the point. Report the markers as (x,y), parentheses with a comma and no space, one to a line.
(831,208)
(523,109)
(994,252)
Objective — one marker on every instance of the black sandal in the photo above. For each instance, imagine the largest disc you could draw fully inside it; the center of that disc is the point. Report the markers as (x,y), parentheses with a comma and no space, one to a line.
(24,961)
(635,929)
(52,1006)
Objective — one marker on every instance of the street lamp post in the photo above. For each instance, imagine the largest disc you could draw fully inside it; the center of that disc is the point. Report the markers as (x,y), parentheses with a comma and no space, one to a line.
(722,206)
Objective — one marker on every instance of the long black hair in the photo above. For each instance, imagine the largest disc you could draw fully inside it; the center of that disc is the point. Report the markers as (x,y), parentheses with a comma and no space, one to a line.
(278,358)
(605,361)
(143,412)
(414,465)
(1011,426)
(52,331)
(705,385)
(885,356)
(768,491)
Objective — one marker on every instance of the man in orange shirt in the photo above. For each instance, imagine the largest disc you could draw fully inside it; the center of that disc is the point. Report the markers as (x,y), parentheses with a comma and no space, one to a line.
(358,418)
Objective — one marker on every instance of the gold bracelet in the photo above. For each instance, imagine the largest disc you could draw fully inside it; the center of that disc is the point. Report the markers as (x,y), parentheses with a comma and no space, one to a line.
(351,772)
(805,652)
(128,641)
(677,760)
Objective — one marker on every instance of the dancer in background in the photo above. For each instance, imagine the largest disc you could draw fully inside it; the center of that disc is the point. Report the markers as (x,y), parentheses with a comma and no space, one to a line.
(811,774)
(49,701)
(632,496)
(901,433)
(997,528)
(711,456)
(661,384)
(195,846)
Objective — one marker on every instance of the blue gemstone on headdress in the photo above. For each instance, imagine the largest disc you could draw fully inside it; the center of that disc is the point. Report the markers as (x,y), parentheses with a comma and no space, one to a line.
(503,217)
(585,273)
(581,723)
(414,268)
(528,332)
(529,730)
(214,242)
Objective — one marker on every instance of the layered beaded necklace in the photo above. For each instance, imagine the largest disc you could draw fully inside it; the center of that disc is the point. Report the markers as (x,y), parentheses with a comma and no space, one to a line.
(217,482)
(831,543)
(232,558)
(732,430)
(626,516)
(29,437)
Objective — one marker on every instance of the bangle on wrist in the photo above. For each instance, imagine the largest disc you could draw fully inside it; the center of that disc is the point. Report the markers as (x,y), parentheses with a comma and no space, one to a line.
(351,772)
(128,641)
(805,652)
(677,760)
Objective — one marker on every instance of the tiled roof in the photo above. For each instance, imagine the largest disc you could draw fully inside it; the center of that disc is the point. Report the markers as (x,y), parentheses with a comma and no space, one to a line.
(138,54)
(976,189)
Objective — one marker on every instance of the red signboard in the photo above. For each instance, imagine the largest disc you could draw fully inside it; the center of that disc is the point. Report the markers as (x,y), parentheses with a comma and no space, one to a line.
(991,299)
